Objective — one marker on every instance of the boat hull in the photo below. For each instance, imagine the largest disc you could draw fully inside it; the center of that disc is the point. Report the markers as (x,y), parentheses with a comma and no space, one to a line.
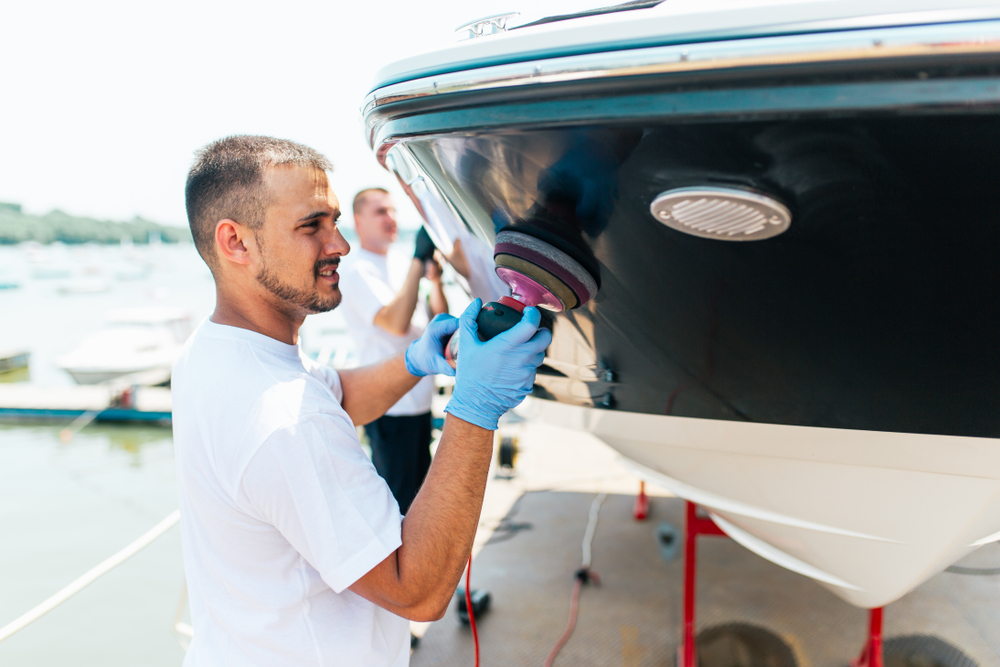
(97,376)
(878,309)
(830,394)
(868,514)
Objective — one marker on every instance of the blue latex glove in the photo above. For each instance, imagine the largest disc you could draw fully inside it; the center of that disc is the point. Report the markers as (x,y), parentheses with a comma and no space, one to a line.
(425,355)
(495,375)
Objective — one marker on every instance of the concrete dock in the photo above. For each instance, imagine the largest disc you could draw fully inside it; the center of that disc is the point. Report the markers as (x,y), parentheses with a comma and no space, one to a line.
(31,402)
(530,545)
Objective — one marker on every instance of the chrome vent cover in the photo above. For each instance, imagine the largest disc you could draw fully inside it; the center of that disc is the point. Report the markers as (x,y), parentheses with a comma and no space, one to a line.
(726,214)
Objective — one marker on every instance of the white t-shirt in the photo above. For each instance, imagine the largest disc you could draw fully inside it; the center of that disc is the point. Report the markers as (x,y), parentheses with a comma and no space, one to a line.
(281,510)
(369,281)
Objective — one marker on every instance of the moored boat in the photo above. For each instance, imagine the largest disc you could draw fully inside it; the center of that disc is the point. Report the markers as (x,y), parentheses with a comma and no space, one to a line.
(135,340)
(791,207)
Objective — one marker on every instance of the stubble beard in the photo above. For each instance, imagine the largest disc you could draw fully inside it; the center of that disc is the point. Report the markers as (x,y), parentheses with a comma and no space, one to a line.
(302,299)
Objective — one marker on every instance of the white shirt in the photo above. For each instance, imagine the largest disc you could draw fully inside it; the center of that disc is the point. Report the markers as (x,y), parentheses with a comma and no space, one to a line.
(368,282)
(281,510)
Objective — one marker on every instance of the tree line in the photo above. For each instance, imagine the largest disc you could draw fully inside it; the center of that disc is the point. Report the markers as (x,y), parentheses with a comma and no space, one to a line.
(16,226)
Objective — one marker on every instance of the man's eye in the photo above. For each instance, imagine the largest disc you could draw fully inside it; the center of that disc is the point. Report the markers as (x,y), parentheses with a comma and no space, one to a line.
(314,224)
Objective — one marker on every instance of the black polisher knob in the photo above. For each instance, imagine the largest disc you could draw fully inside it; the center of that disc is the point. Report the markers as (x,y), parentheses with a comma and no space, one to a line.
(494,318)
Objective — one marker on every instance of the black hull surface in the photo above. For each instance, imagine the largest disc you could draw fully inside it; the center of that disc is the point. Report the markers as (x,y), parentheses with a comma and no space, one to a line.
(879,308)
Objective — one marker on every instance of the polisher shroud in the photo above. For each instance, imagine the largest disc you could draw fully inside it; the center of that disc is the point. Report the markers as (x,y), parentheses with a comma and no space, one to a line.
(538,274)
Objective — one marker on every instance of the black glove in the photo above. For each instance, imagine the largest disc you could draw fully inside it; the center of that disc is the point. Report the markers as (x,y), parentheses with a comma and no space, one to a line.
(424,248)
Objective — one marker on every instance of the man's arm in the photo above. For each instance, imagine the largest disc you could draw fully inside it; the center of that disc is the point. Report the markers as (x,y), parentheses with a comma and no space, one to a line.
(418,580)
(395,316)
(458,260)
(371,390)
(438,301)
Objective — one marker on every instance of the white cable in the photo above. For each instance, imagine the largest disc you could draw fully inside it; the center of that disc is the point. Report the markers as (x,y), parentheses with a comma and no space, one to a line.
(588,537)
(90,577)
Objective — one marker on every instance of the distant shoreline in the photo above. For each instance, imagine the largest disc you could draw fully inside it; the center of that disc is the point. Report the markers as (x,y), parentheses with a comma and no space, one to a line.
(16,226)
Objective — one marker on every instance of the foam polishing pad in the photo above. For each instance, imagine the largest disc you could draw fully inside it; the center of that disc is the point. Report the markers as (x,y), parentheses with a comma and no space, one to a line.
(561,238)
(562,292)
(551,260)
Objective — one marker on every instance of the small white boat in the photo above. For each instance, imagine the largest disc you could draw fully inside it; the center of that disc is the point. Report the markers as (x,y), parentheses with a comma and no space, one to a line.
(136,340)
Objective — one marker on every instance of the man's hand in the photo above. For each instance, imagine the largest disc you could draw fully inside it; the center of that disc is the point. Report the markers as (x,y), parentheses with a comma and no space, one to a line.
(423,248)
(425,356)
(433,270)
(495,375)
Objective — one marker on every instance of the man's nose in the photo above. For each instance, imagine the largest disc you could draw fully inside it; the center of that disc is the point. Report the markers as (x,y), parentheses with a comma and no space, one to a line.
(336,244)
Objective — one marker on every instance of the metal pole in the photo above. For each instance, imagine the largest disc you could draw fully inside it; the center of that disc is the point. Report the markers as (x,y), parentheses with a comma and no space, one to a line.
(690,553)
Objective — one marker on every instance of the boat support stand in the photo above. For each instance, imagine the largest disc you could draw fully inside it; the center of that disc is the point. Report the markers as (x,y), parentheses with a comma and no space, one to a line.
(695,525)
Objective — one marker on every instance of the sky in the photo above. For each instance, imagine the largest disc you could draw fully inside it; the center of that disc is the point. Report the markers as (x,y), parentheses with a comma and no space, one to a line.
(103,103)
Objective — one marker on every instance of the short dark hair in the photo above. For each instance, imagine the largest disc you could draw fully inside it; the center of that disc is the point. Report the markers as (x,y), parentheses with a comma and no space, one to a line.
(362,196)
(227,181)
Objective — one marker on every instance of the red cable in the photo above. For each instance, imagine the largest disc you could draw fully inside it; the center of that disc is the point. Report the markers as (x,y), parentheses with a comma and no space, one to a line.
(468,608)
(582,576)
(574,604)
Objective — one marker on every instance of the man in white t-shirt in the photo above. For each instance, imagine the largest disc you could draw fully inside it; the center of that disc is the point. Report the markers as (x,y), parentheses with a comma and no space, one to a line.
(294,549)
(384,314)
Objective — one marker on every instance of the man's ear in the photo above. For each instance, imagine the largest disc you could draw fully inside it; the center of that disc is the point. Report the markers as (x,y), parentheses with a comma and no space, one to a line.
(232,242)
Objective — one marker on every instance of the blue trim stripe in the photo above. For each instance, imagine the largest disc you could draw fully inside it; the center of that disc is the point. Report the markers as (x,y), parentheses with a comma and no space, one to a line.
(842,24)
(701,105)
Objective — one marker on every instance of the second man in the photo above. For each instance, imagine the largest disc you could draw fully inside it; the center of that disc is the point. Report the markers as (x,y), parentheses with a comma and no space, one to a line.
(384,313)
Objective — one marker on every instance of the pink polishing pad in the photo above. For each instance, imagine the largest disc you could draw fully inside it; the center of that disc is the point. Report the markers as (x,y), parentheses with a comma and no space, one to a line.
(528,291)
(583,294)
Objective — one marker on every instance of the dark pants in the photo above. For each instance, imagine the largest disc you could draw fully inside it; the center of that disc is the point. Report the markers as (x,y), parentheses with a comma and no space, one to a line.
(401,452)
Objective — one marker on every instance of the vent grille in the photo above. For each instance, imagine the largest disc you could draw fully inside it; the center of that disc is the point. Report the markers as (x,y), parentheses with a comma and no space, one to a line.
(726,214)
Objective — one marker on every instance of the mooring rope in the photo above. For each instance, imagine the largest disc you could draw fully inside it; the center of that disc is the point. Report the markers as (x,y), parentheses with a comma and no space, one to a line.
(90,577)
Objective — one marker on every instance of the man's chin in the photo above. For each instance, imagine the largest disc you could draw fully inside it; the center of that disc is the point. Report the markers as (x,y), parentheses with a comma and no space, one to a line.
(325,305)
(324,308)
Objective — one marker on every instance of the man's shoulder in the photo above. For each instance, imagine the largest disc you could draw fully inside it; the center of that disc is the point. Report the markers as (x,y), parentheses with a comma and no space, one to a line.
(212,348)
(230,398)
(223,372)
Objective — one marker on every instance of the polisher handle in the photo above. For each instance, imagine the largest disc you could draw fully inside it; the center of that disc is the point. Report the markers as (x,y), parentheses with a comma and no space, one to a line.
(494,318)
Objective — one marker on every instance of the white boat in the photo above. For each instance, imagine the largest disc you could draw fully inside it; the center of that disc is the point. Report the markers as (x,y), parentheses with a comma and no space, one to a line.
(828,386)
(135,340)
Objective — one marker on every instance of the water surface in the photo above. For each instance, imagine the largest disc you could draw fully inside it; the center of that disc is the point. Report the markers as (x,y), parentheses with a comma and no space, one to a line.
(66,507)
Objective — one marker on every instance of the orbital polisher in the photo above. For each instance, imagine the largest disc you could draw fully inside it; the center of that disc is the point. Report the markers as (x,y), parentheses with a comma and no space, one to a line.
(543,268)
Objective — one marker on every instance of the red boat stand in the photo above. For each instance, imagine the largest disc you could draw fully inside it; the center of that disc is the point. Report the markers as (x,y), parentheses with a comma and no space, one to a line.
(871,656)
(694,525)
(641,509)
